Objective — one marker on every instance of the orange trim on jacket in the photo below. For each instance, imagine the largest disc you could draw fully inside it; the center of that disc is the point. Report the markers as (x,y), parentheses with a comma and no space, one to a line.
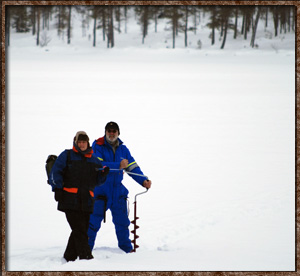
(88,155)
(71,190)
(75,191)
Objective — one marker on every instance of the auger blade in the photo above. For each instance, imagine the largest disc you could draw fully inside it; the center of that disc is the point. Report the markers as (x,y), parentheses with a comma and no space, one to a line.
(135,236)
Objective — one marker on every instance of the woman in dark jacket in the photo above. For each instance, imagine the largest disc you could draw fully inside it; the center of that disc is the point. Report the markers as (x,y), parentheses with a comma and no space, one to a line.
(74,176)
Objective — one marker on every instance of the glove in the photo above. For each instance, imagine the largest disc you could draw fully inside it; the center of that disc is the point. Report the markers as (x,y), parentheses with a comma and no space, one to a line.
(105,171)
(58,194)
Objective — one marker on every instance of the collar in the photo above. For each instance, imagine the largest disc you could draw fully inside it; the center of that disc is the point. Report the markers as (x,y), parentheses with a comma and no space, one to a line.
(87,153)
(102,141)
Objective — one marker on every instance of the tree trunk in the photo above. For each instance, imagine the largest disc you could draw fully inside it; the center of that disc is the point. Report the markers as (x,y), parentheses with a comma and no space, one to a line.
(243,25)
(95,30)
(225,33)
(155,21)
(266,22)
(59,21)
(254,28)
(186,26)
(222,29)
(174,33)
(276,20)
(289,20)
(246,27)
(38,27)
(110,35)
(125,14)
(145,23)
(118,18)
(112,29)
(235,23)
(195,19)
(33,15)
(103,23)
(69,25)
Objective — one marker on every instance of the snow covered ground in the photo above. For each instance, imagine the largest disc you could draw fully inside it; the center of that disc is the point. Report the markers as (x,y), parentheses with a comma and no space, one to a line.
(214,131)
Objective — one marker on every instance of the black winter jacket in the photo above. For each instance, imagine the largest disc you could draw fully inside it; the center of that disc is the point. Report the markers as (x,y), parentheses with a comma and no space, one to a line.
(77,176)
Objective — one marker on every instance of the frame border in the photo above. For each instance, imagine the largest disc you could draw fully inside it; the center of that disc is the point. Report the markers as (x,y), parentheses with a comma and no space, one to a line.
(129,3)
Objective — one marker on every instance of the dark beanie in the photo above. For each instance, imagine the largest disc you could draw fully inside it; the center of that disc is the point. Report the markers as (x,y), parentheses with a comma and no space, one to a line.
(112,125)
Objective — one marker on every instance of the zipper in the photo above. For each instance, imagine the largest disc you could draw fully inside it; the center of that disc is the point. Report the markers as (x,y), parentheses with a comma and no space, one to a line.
(84,163)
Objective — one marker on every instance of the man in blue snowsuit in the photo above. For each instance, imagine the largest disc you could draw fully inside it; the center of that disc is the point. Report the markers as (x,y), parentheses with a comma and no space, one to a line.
(113,194)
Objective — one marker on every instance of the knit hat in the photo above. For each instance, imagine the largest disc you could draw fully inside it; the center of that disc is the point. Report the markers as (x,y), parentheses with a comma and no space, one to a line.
(112,125)
(81,136)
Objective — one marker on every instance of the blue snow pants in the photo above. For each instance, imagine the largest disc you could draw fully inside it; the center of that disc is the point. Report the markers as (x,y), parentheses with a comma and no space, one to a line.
(120,219)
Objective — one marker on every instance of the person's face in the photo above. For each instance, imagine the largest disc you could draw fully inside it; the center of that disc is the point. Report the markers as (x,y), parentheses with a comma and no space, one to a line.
(83,145)
(112,135)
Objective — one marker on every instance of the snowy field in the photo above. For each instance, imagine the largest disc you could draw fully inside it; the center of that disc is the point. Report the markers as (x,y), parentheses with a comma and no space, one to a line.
(214,131)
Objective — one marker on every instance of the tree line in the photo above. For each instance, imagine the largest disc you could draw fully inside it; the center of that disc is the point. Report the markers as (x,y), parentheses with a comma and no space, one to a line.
(180,19)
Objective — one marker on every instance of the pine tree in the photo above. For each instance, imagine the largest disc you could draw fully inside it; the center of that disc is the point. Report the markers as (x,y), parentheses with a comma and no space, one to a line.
(275,12)
(224,18)
(38,14)
(236,15)
(95,14)
(20,19)
(143,18)
(214,21)
(69,23)
(254,26)
(174,14)
(247,12)
(187,11)
(110,29)
(62,20)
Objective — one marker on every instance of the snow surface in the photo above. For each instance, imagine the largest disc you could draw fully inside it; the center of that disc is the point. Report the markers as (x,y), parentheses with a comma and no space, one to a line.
(213,129)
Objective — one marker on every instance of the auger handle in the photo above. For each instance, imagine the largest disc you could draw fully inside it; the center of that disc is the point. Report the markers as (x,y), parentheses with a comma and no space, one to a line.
(140,194)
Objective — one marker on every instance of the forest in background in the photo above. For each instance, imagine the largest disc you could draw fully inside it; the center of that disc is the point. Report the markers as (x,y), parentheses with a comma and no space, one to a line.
(179,19)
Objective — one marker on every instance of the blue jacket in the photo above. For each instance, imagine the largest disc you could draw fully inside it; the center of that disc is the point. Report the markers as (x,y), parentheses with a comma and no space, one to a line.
(113,189)
(77,175)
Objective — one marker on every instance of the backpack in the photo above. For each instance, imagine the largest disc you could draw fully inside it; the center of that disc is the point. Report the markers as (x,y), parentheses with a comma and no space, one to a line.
(50,162)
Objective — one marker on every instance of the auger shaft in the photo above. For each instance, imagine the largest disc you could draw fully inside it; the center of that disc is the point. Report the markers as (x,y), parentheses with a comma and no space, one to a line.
(135,226)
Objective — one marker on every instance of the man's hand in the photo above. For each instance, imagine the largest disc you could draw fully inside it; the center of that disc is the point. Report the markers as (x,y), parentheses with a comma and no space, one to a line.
(124,164)
(147,184)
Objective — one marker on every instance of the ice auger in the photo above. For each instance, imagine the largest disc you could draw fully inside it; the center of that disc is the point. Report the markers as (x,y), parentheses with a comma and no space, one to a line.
(135,226)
